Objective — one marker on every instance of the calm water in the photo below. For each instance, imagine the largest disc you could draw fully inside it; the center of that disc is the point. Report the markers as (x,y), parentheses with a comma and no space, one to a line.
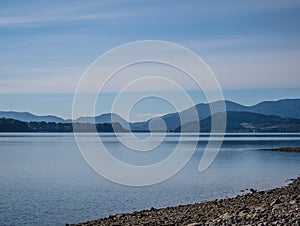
(45,181)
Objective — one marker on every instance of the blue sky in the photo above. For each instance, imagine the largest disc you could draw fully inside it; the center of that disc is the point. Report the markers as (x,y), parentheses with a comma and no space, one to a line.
(45,46)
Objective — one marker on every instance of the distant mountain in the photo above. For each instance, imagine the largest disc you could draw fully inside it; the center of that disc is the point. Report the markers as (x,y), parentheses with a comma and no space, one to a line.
(203,110)
(248,122)
(104,118)
(28,117)
(287,108)
(284,108)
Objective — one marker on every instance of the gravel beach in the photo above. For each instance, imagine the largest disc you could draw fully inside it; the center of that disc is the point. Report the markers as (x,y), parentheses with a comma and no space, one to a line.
(280,206)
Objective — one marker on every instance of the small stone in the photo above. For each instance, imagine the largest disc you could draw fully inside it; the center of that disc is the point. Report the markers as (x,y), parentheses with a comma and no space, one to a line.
(276,201)
(245,210)
(118,215)
(225,216)
(194,224)
(261,208)
(293,202)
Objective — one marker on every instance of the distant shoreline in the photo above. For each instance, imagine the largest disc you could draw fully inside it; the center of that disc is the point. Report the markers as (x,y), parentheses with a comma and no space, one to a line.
(275,206)
(283,149)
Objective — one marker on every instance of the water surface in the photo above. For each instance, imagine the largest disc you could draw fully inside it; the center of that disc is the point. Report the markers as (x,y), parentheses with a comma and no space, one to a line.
(45,181)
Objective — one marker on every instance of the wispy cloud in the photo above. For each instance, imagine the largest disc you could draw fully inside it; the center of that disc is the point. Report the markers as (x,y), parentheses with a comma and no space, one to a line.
(268,68)
(239,59)
(32,21)
(34,14)
(242,43)
(19,21)
(43,85)
(40,80)
(265,69)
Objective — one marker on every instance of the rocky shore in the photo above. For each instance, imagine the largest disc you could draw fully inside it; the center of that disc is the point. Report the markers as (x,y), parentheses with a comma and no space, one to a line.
(280,206)
(284,149)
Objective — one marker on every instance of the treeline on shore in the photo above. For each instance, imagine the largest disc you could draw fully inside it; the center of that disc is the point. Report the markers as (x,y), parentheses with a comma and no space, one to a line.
(13,125)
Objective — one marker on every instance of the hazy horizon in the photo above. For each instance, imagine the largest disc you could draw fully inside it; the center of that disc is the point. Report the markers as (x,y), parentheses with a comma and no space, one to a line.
(252,47)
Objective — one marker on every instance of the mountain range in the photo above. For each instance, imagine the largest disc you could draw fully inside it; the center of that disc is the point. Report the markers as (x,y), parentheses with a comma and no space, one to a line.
(252,117)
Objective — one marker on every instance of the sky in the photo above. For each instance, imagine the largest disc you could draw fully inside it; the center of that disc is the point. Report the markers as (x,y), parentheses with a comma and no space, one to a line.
(252,47)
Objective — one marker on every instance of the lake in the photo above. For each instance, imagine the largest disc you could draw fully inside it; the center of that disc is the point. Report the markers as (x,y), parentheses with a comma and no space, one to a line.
(44,180)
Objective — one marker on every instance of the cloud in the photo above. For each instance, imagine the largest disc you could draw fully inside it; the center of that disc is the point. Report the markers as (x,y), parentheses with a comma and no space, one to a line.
(242,70)
(149,115)
(48,85)
(263,69)
(35,14)
(242,43)
(255,60)
(146,116)
(252,61)
(41,80)
(28,21)
(41,13)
